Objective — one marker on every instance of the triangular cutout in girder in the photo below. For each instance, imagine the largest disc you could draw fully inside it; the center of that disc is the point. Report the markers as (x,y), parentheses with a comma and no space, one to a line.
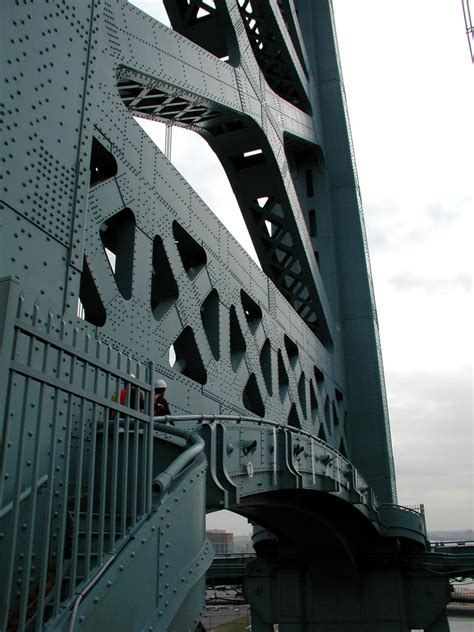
(188,360)
(251,397)
(237,340)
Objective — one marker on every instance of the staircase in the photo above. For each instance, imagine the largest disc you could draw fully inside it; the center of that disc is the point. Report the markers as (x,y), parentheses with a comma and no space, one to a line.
(127,570)
(130,581)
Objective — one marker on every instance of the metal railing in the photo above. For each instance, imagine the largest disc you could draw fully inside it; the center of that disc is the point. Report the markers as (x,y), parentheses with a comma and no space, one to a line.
(302,452)
(419,510)
(195,447)
(76,464)
(305,450)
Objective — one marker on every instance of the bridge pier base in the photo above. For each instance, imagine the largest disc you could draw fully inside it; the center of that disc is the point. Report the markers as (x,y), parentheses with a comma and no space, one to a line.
(258,624)
(440,625)
(321,595)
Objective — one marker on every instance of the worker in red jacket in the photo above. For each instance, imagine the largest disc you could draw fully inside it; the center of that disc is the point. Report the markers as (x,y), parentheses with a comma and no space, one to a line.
(132,402)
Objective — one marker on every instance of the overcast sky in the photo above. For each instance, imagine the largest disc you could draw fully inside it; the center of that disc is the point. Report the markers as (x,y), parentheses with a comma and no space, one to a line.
(409,85)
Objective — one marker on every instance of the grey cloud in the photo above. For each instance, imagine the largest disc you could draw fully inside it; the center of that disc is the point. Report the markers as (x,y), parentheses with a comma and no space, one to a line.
(387,226)
(432,432)
(406,280)
(441,215)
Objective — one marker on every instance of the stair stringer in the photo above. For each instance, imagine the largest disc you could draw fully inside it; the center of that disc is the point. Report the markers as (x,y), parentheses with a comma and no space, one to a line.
(159,569)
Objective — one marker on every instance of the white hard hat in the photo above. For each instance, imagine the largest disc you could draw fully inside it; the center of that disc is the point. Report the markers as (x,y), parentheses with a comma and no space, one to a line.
(160,384)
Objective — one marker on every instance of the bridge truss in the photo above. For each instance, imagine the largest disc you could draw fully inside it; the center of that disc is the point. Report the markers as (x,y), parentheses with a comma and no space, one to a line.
(276,380)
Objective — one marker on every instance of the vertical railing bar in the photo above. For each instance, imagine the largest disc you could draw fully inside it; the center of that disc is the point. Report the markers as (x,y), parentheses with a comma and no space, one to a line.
(91,477)
(149,448)
(77,504)
(47,529)
(17,488)
(123,517)
(136,440)
(64,500)
(102,490)
(16,507)
(67,472)
(33,502)
(90,495)
(143,465)
(60,552)
(3,452)
(133,504)
(127,395)
(103,470)
(113,490)
(149,439)
(3,459)
(78,482)
(108,395)
(275,456)
(34,477)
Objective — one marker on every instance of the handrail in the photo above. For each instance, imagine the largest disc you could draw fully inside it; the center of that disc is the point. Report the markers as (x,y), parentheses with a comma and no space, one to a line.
(452,543)
(165,419)
(259,420)
(87,588)
(164,479)
(378,508)
(403,507)
(160,485)
(26,493)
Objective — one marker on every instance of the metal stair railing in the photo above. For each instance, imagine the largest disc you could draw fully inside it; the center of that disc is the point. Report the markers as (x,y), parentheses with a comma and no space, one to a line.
(161,484)
(73,450)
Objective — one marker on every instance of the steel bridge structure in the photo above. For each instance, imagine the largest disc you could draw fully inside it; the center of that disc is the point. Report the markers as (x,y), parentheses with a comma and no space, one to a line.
(110,265)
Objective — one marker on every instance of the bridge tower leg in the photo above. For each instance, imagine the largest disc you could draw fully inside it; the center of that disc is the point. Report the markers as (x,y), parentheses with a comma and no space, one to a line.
(440,625)
(311,596)
(322,584)
(329,594)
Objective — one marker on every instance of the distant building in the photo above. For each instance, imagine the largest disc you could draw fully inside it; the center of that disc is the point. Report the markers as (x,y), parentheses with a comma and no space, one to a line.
(243,544)
(223,541)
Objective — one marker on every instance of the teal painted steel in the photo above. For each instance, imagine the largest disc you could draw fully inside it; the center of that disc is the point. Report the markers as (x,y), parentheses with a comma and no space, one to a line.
(109,261)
